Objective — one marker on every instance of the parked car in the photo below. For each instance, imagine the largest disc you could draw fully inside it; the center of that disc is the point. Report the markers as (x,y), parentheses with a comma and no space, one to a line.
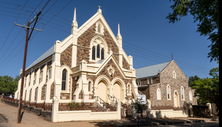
(8,95)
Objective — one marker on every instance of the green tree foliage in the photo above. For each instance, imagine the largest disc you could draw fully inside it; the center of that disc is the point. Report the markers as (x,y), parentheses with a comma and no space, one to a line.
(8,85)
(192,78)
(206,12)
(207,89)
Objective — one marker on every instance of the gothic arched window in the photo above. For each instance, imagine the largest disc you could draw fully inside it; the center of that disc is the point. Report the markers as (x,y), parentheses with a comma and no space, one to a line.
(102,54)
(158,94)
(93,53)
(168,92)
(64,79)
(98,51)
(89,85)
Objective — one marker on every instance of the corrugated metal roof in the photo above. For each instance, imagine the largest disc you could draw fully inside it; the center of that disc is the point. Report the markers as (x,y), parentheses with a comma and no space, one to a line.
(150,70)
(42,57)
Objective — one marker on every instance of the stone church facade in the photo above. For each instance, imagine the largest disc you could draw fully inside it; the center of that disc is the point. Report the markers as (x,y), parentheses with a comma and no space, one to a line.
(166,88)
(88,63)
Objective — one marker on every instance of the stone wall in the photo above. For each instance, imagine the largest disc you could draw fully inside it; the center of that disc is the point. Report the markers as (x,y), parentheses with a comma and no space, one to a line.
(125,64)
(74,81)
(43,92)
(66,57)
(85,39)
(45,111)
(52,91)
(64,96)
(166,77)
(36,89)
(145,91)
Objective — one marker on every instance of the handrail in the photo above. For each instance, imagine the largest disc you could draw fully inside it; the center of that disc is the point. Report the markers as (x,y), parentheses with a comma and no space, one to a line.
(101,101)
(112,98)
(129,99)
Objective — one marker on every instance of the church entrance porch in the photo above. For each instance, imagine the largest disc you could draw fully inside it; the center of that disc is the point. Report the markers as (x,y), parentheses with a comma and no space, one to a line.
(102,91)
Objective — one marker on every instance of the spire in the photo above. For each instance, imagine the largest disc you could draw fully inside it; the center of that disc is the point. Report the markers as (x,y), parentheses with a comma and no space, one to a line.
(99,10)
(74,17)
(119,35)
(74,22)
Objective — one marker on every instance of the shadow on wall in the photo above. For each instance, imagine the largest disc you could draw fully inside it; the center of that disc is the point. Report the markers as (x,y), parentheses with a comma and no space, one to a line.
(187,109)
(158,114)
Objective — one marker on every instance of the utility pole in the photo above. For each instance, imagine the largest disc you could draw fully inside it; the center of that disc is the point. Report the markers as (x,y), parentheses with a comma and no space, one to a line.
(25,55)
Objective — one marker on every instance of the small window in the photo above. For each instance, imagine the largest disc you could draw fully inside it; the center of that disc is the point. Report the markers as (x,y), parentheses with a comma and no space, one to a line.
(93,53)
(98,51)
(99,28)
(64,79)
(50,72)
(182,93)
(191,95)
(174,74)
(158,94)
(150,80)
(102,54)
(25,80)
(29,79)
(89,85)
(41,74)
(168,92)
(30,95)
(34,79)
(128,89)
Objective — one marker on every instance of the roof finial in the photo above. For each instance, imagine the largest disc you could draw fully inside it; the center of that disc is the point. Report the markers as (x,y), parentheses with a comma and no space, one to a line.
(119,35)
(172,56)
(74,18)
(99,10)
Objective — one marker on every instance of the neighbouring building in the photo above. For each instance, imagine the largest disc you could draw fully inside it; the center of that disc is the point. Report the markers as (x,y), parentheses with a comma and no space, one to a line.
(86,66)
(166,89)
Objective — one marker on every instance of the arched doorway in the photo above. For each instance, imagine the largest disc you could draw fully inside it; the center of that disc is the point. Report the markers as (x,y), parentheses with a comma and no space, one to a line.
(176,99)
(102,91)
(117,91)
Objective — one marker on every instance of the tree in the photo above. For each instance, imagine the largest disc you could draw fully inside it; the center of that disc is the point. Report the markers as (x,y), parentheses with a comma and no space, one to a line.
(191,79)
(206,12)
(207,89)
(8,85)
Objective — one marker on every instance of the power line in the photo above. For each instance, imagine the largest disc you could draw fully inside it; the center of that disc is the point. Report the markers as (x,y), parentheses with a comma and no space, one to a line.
(130,43)
(13,16)
(57,13)
(12,26)
(43,26)
(17,36)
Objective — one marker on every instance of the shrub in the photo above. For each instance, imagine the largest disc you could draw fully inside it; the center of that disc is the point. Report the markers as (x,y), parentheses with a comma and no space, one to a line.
(74,106)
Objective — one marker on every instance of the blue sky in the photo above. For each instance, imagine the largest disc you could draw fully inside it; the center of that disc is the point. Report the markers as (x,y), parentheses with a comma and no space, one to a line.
(147,34)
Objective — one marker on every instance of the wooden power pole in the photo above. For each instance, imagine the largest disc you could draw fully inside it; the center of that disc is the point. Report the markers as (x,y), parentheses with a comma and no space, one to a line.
(25,55)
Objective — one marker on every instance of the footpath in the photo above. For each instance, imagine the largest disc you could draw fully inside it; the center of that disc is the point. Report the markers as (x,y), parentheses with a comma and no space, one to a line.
(8,118)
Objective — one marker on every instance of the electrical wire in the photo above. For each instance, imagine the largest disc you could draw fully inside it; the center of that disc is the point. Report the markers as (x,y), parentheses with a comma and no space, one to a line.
(16,37)
(13,25)
(133,45)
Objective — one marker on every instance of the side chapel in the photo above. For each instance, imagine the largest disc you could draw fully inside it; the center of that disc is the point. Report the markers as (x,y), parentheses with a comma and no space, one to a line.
(166,88)
(88,63)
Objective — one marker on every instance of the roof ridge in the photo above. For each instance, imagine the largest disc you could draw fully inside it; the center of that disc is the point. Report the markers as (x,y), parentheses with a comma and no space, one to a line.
(153,65)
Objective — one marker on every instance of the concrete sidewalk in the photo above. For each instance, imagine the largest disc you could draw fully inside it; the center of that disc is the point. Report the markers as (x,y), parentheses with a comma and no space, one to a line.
(31,119)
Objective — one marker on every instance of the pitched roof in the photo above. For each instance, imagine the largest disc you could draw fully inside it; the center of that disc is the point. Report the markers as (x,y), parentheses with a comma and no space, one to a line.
(42,57)
(150,70)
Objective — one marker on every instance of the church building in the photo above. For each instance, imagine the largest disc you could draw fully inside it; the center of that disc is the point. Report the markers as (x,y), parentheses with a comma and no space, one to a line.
(89,63)
(166,89)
